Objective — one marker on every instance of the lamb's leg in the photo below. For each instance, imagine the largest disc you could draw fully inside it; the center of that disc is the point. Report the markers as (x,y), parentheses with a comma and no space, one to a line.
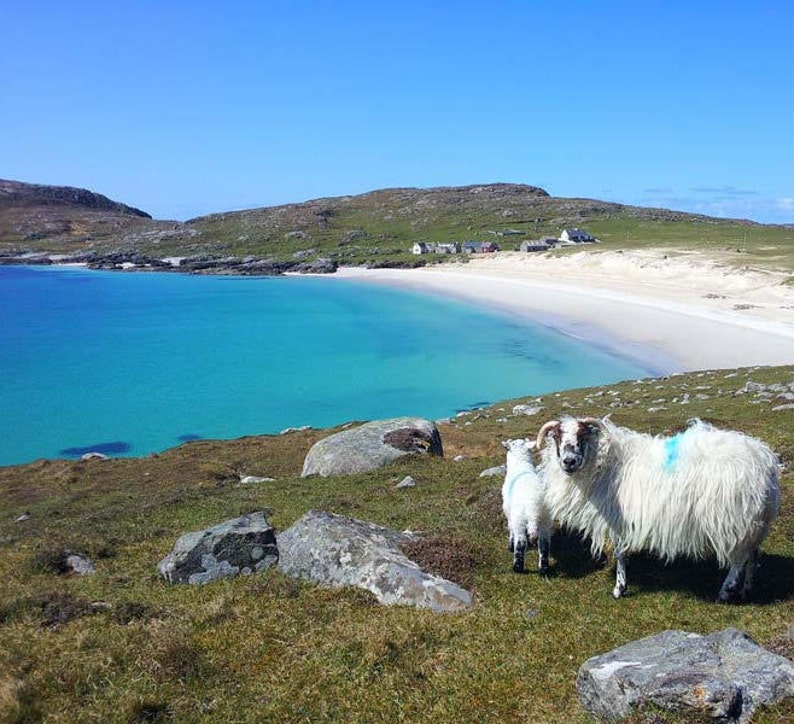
(520,547)
(544,544)
(620,574)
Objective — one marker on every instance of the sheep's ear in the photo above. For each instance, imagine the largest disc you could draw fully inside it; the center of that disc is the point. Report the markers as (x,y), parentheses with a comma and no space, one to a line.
(531,444)
(506,444)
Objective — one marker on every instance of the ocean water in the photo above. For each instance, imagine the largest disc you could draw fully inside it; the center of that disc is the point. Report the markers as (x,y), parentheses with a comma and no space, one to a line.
(133,363)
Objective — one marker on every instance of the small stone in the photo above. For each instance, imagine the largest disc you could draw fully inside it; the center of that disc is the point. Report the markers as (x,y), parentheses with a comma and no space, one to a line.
(406,482)
(247,479)
(499,470)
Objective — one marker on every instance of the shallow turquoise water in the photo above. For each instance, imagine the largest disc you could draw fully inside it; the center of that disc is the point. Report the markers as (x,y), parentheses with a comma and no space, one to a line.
(140,361)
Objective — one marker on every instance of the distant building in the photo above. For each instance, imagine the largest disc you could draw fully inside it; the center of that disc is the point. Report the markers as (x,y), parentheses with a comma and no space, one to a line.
(480,247)
(576,236)
(433,247)
(537,244)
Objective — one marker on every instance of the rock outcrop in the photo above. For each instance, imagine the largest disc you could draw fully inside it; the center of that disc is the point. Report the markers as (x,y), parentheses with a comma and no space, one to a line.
(333,550)
(371,446)
(240,546)
(724,675)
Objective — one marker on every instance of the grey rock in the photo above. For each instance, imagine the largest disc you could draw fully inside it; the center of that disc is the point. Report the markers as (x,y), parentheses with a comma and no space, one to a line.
(724,675)
(406,482)
(527,409)
(371,446)
(333,550)
(80,564)
(94,456)
(240,546)
(248,479)
(786,406)
(22,517)
(499,470)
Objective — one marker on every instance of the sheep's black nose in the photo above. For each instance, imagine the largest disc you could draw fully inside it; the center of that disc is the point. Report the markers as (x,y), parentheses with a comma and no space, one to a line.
(569,463)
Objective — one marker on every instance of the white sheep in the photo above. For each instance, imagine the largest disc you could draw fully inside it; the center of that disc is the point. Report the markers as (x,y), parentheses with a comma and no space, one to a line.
(702,491)
(524,506)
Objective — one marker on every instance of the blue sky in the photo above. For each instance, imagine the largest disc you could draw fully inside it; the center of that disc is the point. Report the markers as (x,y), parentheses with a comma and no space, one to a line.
(187,108)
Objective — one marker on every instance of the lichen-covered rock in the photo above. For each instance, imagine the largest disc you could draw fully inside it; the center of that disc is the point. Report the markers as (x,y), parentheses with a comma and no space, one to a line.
(724,675)
(371,446)
(337,551)
(240,546)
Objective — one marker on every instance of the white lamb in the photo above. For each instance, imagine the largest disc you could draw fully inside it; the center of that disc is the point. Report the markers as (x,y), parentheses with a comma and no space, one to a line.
(524,506)
(702,491)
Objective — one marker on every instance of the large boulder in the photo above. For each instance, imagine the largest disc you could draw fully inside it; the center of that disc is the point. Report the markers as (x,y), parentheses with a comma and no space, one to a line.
(337,551)
(240,546)
(371,446)
(724,675)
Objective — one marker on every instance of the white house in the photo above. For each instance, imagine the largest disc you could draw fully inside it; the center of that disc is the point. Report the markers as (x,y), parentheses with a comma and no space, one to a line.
(576,236)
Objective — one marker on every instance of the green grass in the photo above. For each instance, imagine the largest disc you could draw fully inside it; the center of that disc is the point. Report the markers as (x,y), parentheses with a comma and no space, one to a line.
(124,646)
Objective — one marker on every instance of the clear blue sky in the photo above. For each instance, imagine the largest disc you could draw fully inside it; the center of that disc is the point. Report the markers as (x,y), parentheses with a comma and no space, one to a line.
(186,108)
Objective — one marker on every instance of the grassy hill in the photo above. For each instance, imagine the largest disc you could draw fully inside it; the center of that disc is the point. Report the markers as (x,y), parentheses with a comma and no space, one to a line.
(376,228)
(123,646)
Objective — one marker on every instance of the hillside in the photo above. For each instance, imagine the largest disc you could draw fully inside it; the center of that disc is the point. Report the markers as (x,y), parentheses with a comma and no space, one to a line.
(375,228)
(122,645)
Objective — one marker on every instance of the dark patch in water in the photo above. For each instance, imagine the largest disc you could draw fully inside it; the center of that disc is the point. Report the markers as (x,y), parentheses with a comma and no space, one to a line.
(106,448)
(475,406)
(188,437)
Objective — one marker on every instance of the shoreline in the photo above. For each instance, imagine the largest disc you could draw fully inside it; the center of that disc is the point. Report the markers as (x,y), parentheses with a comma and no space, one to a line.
(672,315)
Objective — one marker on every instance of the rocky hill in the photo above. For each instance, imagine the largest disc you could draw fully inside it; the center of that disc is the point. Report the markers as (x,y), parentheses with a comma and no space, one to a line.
(375,228)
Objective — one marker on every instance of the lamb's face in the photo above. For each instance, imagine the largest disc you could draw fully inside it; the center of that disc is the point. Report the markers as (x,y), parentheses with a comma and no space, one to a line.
(574,439)
(518,450)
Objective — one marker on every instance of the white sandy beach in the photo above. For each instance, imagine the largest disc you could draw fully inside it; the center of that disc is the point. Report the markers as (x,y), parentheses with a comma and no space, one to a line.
(673,313)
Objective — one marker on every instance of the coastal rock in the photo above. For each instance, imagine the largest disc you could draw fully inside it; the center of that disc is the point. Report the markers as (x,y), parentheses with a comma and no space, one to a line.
(333,550)
(724,675)
(240,546)
(527,409)
(371,446)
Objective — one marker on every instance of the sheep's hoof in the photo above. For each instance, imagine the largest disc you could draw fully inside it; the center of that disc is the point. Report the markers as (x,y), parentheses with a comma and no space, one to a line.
(618,592)
(518,566)
(728,597)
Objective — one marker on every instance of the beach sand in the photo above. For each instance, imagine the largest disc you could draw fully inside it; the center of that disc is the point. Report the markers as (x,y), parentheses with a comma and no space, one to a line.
(670,312)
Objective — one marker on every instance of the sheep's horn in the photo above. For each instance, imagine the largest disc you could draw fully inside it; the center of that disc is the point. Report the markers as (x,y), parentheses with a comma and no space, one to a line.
(542,433)
(590,421)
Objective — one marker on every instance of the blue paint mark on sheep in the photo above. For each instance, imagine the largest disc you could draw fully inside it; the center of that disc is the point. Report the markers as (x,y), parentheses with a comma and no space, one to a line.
(671,452)
(512,482)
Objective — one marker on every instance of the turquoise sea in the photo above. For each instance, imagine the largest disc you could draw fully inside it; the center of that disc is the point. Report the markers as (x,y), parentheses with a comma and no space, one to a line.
(133,363)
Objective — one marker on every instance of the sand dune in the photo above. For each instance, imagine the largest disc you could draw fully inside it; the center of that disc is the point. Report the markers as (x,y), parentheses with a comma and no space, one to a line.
(672,312)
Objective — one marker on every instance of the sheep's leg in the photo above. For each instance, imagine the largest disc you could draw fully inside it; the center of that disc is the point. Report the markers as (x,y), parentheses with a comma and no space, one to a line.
(620,574)
(510,543)
(520,547)
(739,581)
(544,544)
(733,583)
(749,574)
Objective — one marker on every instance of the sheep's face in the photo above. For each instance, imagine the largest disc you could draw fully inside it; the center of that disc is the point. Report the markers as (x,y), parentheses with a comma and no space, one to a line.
(574,439)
